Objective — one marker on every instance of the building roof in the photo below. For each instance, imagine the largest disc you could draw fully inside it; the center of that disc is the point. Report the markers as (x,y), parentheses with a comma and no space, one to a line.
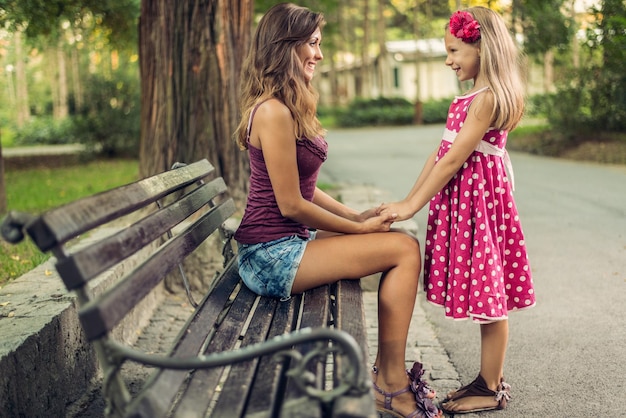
(434,47)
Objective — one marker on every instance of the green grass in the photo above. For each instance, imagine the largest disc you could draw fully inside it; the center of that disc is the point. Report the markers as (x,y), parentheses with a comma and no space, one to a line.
(37,190)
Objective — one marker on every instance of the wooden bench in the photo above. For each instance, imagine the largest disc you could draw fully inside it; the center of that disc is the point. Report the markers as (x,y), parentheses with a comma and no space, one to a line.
(238,354)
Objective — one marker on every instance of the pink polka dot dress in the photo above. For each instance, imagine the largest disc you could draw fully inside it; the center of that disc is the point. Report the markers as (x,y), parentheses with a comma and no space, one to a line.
(476,264)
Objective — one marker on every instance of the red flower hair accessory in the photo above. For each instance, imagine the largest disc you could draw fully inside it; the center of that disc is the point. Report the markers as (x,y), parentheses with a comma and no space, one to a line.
(465,27)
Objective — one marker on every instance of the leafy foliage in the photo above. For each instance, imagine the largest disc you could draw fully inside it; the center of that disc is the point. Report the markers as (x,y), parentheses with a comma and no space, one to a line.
(593,97)
(387,111)
(43,17)
(111,124)
(545,27)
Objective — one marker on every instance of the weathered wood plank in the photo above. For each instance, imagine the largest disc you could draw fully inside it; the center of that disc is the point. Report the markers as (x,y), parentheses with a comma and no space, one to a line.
(87,263)
(241,376)
(59,225)
(204,383)
(105,312)
(163,387)
(268,387)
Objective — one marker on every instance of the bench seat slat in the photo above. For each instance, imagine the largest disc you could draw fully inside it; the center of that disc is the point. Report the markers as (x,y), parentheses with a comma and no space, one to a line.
(59,225)
(268,388)
(203,383)
(162,387)
(315,313)
(350,317)
(83,265)
(241,376)
(103,314)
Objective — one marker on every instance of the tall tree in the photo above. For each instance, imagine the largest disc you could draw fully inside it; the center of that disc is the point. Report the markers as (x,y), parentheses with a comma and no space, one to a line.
(21,86)
(545,29)
(608,94)
(190,54)
(3,194)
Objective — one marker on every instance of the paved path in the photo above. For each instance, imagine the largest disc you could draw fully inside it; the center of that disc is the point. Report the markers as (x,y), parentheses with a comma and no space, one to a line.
(566,356)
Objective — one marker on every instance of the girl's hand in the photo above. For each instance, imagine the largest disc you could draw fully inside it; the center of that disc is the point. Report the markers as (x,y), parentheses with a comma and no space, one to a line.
(365,215)
(399,210)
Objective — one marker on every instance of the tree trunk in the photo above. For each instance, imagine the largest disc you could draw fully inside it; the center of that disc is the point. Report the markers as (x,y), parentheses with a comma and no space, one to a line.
(21,94)
(418,117)
(366,87)
(77,87)
(384,69)
(548,71)
(191,52)
(3,193)
(61,110)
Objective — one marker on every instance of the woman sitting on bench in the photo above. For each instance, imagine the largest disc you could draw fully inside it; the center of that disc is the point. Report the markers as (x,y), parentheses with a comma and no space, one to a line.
(293,236)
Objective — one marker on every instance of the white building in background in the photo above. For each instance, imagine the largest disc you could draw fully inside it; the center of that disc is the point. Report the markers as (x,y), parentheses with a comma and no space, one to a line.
(409,67)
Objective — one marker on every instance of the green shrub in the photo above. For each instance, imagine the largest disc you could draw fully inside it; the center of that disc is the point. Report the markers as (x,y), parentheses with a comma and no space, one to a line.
(436,111)
(110,125)
(45,130)
(376,112)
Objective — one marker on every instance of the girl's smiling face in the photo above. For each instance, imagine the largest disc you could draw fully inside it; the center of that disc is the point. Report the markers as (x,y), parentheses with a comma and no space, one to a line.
(463,58)
(310,53)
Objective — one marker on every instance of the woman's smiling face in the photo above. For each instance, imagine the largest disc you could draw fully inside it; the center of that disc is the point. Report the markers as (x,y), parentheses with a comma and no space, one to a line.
(310,53)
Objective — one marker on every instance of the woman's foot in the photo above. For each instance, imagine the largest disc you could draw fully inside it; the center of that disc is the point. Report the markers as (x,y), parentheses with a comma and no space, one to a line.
(477,397)
(414,400)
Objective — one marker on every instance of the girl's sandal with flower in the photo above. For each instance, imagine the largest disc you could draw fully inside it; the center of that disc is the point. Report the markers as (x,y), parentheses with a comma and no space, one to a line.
(479,388)
(424,396)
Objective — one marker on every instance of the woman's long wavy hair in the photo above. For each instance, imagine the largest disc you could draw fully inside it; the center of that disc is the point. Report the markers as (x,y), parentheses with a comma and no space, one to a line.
(501,65)
(273,69)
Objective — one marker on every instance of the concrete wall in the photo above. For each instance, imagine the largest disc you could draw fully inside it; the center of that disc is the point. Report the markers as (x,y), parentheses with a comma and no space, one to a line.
(45,362)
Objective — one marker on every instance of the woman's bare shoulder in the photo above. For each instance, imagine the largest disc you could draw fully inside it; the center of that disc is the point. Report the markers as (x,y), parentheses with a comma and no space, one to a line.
(273,110)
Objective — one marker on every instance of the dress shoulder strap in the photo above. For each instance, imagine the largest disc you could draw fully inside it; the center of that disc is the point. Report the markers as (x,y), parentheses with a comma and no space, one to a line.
(256,107)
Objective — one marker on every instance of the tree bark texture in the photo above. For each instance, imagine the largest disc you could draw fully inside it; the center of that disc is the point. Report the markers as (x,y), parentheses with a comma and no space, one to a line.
(3,194)
(191,52)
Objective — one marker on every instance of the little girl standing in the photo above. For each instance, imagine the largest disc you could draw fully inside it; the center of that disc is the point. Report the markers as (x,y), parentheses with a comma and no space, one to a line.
(476,264)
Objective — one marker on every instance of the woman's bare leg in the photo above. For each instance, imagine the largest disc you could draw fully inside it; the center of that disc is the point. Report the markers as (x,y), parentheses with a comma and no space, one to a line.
(395,254)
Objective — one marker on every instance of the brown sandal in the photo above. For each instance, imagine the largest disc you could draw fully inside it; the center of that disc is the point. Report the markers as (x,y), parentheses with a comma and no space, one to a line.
(479,388)
(423,396)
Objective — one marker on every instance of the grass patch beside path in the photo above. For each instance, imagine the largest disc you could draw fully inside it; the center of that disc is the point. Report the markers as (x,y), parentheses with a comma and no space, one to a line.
(38,190)
(540,139)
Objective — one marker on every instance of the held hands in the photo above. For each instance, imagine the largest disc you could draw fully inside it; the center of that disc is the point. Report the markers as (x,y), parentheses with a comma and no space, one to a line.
(378,223)
(400,210)
(365,215)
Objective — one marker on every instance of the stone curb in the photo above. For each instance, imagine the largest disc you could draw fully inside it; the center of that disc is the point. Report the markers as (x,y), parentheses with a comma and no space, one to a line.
(45,362)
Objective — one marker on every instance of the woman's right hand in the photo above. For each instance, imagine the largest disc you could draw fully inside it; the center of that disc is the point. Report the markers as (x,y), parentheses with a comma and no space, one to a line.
(379,223)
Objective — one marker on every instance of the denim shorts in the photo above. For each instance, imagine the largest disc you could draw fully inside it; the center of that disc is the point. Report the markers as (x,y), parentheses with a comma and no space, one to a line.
(269,268)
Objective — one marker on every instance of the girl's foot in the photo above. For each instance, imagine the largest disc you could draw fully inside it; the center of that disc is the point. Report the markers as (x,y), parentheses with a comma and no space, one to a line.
(477,397)
(462,389)
(405,400)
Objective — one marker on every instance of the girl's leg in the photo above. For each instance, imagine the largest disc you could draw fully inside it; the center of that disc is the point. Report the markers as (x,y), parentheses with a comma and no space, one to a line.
(493,342)
(395,254)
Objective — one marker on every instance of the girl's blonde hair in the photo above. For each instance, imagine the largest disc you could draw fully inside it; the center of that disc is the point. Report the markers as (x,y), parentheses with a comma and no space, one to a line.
(273,69)
(501,65)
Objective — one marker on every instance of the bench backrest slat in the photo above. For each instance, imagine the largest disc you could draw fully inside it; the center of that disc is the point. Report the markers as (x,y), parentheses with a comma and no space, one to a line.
(102,315)
(59,225)
(85,264)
